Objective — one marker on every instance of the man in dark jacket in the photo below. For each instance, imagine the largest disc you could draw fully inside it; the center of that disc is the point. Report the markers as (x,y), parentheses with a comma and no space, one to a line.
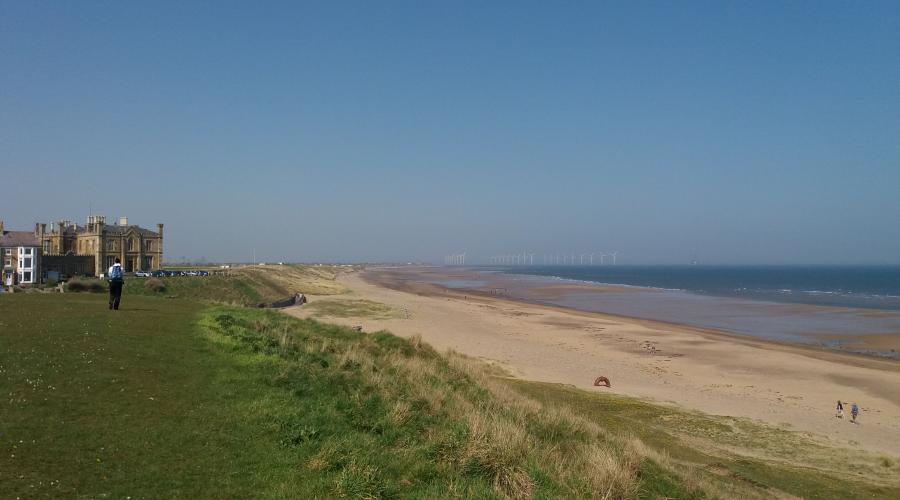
(116,281)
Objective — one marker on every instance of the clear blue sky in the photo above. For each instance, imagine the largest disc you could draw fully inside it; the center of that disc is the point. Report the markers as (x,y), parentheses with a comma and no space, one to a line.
(736,132)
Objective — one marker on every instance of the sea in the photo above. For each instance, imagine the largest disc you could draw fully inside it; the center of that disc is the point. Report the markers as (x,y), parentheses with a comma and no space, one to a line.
(870,287)
(842,307)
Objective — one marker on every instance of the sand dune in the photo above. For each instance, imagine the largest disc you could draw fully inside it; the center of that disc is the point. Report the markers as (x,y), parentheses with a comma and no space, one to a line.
(716,373)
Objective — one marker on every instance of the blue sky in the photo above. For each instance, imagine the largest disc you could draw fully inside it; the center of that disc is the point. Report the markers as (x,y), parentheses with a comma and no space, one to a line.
(736,132)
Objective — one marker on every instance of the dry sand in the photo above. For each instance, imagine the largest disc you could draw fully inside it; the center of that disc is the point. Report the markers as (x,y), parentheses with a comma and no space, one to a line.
(713,372)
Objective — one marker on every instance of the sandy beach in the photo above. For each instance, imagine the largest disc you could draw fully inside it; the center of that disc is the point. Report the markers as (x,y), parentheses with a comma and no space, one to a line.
(789,386)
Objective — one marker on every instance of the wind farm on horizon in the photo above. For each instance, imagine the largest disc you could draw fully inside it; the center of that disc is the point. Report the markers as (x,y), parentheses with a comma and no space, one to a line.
(528,259)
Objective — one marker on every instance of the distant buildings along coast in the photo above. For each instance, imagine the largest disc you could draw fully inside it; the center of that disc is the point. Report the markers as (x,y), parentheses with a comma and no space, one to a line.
(68,249)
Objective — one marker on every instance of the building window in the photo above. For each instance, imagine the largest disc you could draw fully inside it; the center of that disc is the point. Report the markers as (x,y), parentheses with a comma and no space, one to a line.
(27,263)
(110,245)
(9,251)
(8,262)
(27,251)
(149,245)
(46,247)
(130,245)
(26,277)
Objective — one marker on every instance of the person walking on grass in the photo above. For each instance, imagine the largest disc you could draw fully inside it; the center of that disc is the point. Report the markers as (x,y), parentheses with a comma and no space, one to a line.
(854,412)
(116,281)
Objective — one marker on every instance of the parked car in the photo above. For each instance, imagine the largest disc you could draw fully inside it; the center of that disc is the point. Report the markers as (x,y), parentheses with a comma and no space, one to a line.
(142,274)
(161,273)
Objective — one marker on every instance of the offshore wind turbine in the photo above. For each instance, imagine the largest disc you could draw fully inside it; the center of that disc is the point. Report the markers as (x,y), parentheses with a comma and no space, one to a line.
(614,257)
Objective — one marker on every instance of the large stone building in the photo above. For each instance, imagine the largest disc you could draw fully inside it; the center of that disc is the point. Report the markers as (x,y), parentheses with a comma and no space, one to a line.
(138,248)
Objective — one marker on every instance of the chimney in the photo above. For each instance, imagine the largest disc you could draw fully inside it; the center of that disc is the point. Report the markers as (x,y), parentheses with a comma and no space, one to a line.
(123,221)
(1,226)
(159,228)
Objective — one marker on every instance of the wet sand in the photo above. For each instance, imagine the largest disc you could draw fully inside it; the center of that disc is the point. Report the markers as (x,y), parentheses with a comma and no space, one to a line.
(706,370)
(837,328)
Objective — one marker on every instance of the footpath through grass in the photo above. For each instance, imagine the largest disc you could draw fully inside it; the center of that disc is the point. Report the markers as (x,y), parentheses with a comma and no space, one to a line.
(173,398)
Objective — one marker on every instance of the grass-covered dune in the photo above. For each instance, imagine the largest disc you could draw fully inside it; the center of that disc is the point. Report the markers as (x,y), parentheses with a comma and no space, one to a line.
(178,398)
(248,286)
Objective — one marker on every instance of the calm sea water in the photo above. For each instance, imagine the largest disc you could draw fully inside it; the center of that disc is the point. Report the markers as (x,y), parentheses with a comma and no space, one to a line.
(868,287)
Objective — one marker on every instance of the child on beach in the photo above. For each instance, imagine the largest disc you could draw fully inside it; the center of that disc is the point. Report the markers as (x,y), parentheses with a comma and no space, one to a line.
(854,411)
(840,410)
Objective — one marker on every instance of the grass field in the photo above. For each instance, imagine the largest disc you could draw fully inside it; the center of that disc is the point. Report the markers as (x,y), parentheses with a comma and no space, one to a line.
(178,398)
(248,286)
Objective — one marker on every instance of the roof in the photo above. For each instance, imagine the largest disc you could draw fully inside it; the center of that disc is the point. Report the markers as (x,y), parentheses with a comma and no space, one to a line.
(18,239)
(123,229)
(70,229)
(112,229)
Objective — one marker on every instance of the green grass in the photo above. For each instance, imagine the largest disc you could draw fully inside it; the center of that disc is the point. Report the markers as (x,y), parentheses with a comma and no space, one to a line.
(249,286)
(351,308)
(177,398)
(129,403)
(231,289)
(174,398)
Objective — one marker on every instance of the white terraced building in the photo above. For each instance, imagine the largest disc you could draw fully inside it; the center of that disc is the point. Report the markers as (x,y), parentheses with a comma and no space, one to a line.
(20,252)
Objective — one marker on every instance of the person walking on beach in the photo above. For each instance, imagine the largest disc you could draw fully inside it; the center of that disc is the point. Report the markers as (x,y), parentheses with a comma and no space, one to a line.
(854,412)
(116,281)
(840,410)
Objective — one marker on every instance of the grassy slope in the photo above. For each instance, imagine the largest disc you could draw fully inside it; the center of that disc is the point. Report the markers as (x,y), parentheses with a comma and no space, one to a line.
(248,286)
(739,450)
(175,398)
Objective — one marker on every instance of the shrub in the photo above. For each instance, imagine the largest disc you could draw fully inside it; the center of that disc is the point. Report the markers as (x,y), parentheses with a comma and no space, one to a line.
(84,285)
(50,283)
(155,285)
